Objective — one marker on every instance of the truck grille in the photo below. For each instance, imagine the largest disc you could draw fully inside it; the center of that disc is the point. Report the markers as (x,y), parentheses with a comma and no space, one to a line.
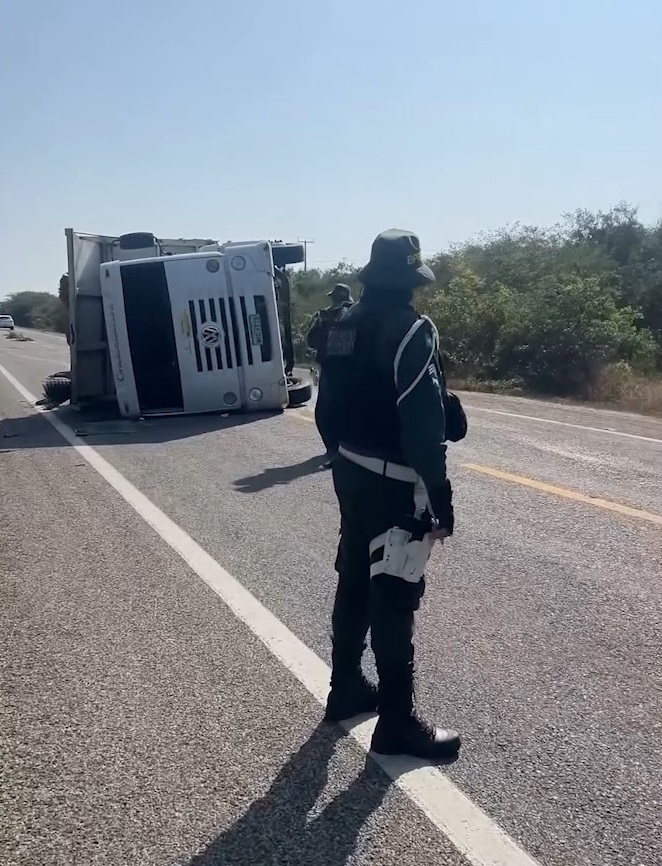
(223,313)
(218,355)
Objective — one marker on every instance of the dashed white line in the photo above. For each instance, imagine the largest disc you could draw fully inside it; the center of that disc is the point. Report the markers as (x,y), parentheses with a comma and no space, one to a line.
(473,833)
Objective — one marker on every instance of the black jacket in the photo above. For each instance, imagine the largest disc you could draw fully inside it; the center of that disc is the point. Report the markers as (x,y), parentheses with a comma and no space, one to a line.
(386,391)
(322,322)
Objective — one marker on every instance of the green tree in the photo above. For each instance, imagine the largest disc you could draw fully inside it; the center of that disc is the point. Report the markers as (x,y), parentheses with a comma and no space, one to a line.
(36,310)
(549,308)
(555,310)
(569,330)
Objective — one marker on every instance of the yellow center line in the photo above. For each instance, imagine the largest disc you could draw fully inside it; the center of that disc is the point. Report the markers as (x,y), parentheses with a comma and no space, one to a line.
(540,486)
(566,493)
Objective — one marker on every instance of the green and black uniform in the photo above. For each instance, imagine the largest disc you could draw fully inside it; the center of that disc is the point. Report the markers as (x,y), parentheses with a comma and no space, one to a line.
(322,322)
(388,405)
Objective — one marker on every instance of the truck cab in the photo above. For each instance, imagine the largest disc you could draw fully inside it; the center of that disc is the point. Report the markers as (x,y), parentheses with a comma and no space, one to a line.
(163,327)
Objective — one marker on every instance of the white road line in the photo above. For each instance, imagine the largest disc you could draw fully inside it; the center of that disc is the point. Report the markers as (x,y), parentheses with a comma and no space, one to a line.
(607,430)
(20,354)
(471,831)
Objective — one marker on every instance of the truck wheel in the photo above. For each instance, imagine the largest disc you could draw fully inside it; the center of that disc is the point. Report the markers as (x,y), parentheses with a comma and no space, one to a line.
(287,254)
(57,389)
(298,391)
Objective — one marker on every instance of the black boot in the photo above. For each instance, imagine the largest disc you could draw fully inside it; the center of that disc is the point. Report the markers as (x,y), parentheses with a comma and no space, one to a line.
(416,737)
(400,730)
(350,697)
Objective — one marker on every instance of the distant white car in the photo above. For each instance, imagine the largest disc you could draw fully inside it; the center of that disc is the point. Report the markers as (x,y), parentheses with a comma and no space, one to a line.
(6,322)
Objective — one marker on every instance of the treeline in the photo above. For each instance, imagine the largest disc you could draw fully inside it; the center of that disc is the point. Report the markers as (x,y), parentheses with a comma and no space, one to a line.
(572,310)
(40,310)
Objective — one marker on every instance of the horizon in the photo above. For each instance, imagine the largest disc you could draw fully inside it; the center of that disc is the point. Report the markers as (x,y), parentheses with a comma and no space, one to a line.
(325,124)
(480,237)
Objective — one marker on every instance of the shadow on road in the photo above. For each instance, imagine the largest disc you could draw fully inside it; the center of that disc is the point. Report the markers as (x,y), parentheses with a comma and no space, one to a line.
(279,475)
(32,431)
(278,828)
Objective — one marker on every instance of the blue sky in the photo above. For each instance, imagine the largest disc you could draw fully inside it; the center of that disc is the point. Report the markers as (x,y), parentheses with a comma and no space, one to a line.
(331,121)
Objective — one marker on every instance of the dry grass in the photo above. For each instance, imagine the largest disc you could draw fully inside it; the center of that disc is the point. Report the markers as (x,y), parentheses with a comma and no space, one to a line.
(484,386)
(617,387)
(20,337)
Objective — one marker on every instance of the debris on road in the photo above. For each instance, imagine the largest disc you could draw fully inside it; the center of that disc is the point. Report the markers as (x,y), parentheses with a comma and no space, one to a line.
(19,337)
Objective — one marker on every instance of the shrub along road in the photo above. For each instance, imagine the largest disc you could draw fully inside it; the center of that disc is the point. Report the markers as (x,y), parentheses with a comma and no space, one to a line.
(144,723)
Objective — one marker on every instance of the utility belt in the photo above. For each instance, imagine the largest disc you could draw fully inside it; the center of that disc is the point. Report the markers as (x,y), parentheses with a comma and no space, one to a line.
(381,467)
(402,551)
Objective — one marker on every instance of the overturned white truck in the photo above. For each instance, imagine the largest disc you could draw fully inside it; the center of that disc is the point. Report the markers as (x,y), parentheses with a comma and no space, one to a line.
(170,327)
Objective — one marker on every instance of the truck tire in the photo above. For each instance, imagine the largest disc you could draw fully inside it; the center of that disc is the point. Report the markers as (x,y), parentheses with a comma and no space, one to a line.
(287,254)
(57,389)
(298,391)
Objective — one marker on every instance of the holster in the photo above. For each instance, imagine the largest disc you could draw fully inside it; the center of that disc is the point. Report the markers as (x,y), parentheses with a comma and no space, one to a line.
(403,551)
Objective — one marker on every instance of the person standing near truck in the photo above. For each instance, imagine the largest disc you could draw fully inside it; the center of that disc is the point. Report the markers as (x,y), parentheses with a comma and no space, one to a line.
(63,294)
(341,299)
(387,395)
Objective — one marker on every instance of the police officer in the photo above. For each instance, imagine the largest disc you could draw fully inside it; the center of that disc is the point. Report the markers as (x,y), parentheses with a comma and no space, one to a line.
(341,298)
(386,399)
(63,294)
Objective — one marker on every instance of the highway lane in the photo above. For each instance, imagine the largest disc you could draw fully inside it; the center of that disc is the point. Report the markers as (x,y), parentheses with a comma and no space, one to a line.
(594,451)
(539,636)
(135,721)
(33,361)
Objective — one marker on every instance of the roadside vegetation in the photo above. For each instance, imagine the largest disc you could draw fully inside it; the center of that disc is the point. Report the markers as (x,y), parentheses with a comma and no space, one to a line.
(570,311)
(574,310)
(40,310)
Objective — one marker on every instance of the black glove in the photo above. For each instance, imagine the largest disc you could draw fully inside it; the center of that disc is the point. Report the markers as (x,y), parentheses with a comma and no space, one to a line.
(441,500)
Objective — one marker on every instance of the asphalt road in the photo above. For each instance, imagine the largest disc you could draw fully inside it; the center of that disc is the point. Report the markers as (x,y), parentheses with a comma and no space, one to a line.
(143,723)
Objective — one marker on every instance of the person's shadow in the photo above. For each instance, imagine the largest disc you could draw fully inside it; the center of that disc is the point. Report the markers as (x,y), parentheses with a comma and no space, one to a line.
(277,831)
(279,475)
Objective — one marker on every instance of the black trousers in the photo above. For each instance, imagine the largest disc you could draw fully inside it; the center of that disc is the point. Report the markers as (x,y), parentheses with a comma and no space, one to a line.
(322,415)
(369,506)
